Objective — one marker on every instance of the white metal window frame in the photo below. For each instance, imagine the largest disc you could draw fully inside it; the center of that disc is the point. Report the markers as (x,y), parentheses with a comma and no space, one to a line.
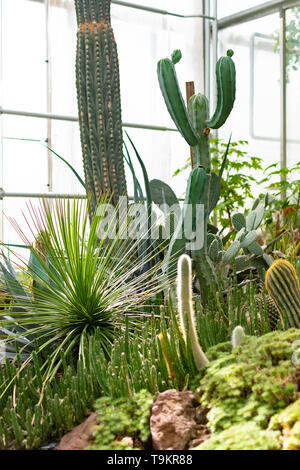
(211,27)
(208,22)
(260,11)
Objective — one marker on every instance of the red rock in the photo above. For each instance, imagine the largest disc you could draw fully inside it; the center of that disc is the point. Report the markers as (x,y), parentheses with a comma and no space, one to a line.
(81,436)
(175,420)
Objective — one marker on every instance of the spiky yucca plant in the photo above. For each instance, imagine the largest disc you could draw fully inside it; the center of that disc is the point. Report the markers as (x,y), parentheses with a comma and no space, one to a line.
(85,283)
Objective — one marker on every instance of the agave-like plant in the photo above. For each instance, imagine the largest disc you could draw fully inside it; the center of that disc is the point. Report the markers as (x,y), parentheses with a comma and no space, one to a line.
(81,282)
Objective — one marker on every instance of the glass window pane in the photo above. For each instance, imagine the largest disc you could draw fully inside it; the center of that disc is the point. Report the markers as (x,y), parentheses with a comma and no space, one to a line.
(150,37)
(16,208)
(23,55)
(24,161)
(142,39)
(174,6)
(256,113)
(229,7)
(293,90)
(66,143)
(62,38)
(162,153)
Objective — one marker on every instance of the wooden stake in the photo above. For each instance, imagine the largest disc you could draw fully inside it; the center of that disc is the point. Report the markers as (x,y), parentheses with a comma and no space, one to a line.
(190,91)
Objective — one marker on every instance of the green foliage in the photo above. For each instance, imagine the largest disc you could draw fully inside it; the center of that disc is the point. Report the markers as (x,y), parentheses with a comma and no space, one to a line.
(284,212)
(247,436)
(292,40)
(282,219)
(288,182)
(249,383)
(33,413)
(288,422)
(122,417)
(236,180)
(29,418)
(83,284)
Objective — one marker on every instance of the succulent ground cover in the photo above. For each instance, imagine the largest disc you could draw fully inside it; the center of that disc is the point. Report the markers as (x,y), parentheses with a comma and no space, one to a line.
(251,394)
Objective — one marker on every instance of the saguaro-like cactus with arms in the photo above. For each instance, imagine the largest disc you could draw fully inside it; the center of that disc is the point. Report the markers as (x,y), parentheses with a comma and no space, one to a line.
(194,125)
(99,105)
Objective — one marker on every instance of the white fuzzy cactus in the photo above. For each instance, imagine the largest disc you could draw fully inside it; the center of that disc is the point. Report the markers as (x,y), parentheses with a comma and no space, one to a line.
(238,336)
(186,310)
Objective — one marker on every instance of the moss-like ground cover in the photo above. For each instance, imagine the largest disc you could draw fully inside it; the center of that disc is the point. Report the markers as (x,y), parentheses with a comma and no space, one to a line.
(252,393)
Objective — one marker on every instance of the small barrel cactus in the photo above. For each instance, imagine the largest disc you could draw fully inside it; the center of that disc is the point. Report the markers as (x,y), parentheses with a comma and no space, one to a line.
(283,286)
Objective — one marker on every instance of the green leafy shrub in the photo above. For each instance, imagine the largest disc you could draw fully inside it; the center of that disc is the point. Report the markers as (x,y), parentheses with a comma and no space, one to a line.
(288,422)
(282,219)
(122,417)
(33,413)
(236,180)
(243,437)
(82,282)
(249,383)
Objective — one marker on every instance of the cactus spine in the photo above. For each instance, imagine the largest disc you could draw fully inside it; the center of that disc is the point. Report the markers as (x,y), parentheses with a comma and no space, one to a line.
(283,286)
(99,105)
(186,310)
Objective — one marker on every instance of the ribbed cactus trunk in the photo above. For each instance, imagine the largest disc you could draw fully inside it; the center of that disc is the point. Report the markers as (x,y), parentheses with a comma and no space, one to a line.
(99,104)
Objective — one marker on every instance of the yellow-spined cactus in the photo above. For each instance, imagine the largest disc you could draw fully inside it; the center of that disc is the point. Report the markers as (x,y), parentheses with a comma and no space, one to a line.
(282,284)
(166,356)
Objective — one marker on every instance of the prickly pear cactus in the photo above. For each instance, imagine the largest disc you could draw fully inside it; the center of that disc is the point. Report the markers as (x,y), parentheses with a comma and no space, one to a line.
(99,105)
(245,252)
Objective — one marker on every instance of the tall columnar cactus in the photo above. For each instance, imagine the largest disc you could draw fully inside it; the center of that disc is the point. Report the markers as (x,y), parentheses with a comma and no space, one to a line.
(186,310)
(99,105)
(283,286)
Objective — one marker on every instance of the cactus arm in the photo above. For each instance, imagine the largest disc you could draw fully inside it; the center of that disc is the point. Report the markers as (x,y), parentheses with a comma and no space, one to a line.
(225,73)
(198,112)
(172,95)
(186,310)
(194,193)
